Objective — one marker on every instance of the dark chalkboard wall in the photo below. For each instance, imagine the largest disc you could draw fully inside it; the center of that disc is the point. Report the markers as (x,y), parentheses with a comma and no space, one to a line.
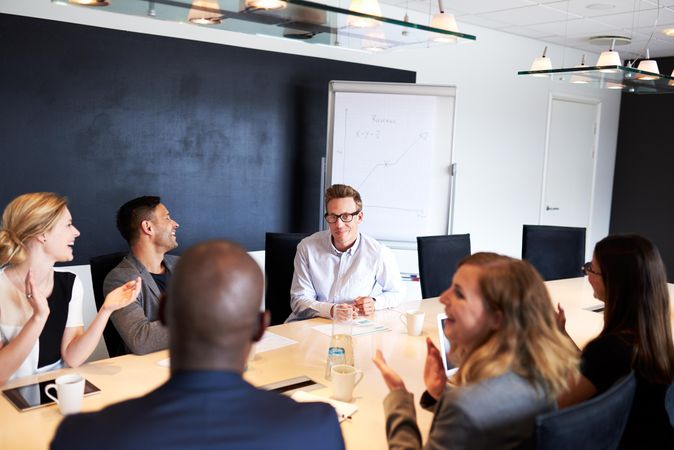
(643,186)
(230,138)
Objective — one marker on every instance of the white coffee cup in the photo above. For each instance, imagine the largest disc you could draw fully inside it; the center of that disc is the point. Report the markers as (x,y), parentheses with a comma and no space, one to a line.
(344,379)
(414,320)
(69,393)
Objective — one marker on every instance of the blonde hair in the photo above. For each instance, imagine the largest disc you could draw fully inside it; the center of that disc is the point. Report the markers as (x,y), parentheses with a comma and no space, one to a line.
(528,341)
(27,216)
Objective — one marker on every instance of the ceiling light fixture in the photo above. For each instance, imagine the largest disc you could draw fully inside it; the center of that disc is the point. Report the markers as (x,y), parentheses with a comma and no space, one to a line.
(205,12)
(609,58)
(266,4)
(648,65)
(541,63)
(369,7)
(89,2)
(444,21)
(609,73)
(579,79)
(313,22)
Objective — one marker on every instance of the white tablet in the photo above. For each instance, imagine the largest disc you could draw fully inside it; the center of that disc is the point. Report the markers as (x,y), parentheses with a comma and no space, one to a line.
(444,346)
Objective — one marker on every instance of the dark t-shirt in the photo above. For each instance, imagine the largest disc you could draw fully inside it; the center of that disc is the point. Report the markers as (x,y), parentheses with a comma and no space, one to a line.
(609,358)
(52,333)
(161,280)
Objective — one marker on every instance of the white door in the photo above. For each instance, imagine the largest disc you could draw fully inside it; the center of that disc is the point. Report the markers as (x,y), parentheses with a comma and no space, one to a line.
(569,163)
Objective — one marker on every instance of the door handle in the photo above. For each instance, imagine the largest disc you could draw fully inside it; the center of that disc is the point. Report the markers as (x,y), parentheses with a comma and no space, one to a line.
(551,208)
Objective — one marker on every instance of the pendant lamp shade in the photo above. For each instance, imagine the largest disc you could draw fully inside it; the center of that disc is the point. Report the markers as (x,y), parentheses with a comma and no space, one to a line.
(266,4)
(609,58)
(541,63)
(370,7)
(89,2)
(579,79)
(648,65)
(205,12)
(444,21)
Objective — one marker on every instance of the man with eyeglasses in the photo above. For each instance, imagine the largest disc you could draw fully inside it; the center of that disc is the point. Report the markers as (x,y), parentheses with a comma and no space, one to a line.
(340,265)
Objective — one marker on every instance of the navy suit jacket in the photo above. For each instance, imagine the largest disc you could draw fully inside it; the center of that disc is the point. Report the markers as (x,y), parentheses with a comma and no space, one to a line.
(204,410)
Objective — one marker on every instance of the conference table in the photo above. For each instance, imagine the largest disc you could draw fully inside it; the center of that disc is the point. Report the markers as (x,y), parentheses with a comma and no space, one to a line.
(131,376)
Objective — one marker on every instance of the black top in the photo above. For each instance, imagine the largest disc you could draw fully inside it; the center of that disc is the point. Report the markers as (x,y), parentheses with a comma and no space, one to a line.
(52,333)
(161,280)
(607,359)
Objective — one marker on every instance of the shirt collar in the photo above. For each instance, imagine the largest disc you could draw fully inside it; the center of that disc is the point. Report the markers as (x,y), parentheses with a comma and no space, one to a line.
(351,249)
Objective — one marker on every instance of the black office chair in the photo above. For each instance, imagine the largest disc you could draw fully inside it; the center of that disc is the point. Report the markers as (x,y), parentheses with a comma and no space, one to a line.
(669,403)
(596,424)
(556,252)
(438,257)
(279,256)
(100,268)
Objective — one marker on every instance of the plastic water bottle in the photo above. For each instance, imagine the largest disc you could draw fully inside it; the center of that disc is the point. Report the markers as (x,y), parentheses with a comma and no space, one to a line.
(340,350)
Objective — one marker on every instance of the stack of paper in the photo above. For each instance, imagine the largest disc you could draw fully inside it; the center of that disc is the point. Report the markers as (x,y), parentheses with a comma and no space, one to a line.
(344,410)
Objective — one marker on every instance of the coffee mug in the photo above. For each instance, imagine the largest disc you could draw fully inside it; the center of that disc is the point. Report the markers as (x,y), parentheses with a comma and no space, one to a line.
(414,320)
(344,379)
(69,393)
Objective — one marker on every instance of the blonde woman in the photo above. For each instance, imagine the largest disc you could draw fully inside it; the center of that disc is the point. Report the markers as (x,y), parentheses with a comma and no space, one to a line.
(513,362)
(41,325)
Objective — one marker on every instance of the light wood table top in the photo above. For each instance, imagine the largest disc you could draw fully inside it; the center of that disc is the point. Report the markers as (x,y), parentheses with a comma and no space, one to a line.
(132,376)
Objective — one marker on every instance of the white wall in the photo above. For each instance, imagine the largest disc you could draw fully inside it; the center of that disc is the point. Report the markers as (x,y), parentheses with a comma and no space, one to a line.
(500,118)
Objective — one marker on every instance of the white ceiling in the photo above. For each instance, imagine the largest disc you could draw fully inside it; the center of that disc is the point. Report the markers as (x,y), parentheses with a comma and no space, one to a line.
(567,22)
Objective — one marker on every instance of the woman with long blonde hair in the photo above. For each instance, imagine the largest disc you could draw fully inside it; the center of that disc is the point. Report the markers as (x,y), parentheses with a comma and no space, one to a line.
(41,325)
(513,361)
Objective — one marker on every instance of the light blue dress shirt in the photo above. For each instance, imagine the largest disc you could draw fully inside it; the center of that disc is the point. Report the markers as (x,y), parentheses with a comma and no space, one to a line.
(325,276)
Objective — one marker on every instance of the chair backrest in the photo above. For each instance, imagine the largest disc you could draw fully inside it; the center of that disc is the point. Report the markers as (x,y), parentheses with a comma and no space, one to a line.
(595,424)
(556,252)
(669,403)
(438,257)
(100,268)
(279,257)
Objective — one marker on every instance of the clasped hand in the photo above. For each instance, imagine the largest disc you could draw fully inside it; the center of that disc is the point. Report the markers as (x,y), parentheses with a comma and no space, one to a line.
(435,378)
(364,306)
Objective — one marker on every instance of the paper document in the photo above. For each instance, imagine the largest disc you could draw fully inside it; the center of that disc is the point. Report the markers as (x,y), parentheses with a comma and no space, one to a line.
(166,362)
(272,341)
(344,410)
(360,326)
(269,341)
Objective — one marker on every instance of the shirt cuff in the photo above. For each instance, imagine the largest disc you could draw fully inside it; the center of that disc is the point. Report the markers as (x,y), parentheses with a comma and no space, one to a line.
(323,309)
(427,401)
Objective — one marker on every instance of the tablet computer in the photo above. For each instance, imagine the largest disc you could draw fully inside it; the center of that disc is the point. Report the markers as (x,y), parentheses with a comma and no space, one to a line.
(31,396)
(292,385)
(444,345)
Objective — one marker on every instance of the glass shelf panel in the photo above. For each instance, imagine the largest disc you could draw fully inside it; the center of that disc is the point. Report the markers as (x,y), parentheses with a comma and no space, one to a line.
(300,19)
(627,79)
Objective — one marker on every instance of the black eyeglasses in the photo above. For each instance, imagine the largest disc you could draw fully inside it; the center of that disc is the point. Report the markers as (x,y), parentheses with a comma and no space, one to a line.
(587,269)
(346,217)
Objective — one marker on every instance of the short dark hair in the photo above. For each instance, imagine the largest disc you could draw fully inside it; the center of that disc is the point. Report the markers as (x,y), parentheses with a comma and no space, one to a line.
(132,213)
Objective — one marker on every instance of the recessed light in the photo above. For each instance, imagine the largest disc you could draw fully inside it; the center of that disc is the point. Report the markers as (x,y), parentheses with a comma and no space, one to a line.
(600,6)
(668,31)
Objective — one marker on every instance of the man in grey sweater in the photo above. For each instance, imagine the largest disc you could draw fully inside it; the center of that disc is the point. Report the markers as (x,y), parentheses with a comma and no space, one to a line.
(145,223)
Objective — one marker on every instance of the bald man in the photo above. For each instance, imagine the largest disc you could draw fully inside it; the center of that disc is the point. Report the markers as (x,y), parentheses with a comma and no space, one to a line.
(212,314)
